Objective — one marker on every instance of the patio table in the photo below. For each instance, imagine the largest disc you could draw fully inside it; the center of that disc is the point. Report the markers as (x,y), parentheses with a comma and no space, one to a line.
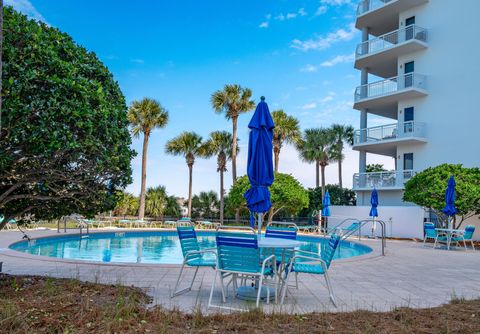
(250,292)
(449,233)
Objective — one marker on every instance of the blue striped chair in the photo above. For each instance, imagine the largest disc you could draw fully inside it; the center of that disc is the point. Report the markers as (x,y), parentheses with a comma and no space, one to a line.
(282,230)
(193,256)
(432,233)
(238,255)
(467,235)
(312,263)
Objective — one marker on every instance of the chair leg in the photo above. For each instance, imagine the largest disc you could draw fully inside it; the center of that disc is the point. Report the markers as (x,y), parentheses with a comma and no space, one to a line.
(193,279)
(259,293)
(224,299)
(473,247)
(212,288)
(296,280)
(330,290)
(175,292)
(285,287)
(435,243)
(465,245)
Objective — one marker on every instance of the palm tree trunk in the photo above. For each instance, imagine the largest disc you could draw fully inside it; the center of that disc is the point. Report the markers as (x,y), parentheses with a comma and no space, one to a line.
(323,180)
(317,172)
(141,208)
(340,183)
(1,62)
(234,150)
(221,196)
(190,172)
(276,153)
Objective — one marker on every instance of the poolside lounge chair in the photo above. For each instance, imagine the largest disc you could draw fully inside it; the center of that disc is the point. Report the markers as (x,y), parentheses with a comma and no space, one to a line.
(169,223)
(238,255)
(205,224)
(193,256)
(432,233)
(467,235)
(184,221)
(312,263)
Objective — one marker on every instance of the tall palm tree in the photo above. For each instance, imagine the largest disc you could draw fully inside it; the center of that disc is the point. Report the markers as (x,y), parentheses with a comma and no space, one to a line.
(188,145)
(155,201)
(1,62)
(144,116)
(205,204)
(219,143)
(318,146)
(233,100)
(343,134)
(287,130)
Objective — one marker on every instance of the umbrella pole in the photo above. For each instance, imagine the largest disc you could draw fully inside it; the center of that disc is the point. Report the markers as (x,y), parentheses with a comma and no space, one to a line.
(374,227)
(260,221)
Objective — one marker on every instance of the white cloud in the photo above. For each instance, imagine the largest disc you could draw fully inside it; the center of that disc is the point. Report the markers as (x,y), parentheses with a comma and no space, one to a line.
(268,16)
(324,42)
(338,60)
(137,61)
(309,68)
(26,7)
(302,12)
(321,10)
(263,25)
(280,17)
(308,106)
(336,2)
(326,99)
(291,16)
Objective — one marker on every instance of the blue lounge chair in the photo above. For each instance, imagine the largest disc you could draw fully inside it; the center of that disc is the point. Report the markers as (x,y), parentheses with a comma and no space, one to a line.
(432,233)
(238,255)
(282,230)
(467,235)
(312,263)
(193,256)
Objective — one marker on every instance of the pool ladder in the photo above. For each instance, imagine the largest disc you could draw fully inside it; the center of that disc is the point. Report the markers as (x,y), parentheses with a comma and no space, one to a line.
(78,220)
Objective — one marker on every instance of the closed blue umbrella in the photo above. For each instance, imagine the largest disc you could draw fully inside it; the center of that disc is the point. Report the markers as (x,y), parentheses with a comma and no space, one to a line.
(450,209)
(260,163)
(326,205)
(374,202)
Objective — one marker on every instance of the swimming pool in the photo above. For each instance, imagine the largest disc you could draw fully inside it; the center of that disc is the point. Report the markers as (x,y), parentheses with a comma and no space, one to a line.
(162,247)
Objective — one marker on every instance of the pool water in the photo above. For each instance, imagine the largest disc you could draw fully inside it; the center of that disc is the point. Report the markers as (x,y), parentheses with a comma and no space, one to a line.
(162,247)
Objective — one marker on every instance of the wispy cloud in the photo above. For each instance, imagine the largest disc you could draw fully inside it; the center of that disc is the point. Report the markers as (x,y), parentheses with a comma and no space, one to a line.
(137,61)
(263,25)
(335,2)
(338,60)
(324,42)
(302,12)
(309,68)
(26,7)
(308,106)
(321,10)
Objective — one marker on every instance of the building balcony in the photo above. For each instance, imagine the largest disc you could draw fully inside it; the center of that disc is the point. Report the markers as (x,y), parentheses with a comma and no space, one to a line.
(380,54)
(384,139)
(391,180)
(381,97)
(381,16)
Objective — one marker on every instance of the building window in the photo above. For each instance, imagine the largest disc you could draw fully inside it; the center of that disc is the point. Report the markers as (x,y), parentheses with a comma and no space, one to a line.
(408,116)
(408,161)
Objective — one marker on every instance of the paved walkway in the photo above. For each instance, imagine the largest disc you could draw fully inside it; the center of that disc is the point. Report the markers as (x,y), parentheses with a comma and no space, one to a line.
(409,275)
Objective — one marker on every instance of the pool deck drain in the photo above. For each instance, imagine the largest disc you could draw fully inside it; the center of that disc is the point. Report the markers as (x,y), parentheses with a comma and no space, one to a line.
(410,275)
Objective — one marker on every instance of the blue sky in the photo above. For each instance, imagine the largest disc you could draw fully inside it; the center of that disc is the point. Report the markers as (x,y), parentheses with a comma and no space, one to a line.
(299,54)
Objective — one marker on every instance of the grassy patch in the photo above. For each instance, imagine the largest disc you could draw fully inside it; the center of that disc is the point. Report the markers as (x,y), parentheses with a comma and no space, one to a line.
(34,304)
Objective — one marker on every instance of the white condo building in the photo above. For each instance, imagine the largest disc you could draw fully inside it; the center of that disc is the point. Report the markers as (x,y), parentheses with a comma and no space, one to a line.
(420,70)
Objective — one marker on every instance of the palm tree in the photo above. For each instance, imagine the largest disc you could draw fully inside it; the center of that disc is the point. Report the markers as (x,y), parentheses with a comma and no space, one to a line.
(343,134)
(1,62)
(318,146)
(144,116)
(172,209)
(188,145)
(233,100)
(155,201)
(205,204)
(219,143)
(287,130)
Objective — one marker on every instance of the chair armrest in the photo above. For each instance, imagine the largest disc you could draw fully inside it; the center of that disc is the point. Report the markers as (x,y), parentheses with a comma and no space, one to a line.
(271,259)
(312,259)
(305,252)
(203,251)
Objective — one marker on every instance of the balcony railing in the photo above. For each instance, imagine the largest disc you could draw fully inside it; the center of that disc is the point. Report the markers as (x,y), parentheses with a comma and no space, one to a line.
(391,39)
(379,180)
(368,5)
(388,132)
(392,85)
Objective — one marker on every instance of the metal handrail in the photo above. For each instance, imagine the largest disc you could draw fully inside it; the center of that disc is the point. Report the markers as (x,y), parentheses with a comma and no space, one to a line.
(384,231)
(369,5)
(389,132)
(380,180)
(390,85)
(77,219)
(391,39)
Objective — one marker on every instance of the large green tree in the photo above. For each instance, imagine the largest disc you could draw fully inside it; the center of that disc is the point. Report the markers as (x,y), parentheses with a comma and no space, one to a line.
(127,204)
(287,130)
(427,189)
(342,134)
(219,143)
(188,145)
(233,100)
(146,115)
(338,196)
(318,146)
(65,145)
(286,193)
(205,205)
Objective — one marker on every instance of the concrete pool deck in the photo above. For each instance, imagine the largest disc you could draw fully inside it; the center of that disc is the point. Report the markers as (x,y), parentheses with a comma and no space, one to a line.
(409,275)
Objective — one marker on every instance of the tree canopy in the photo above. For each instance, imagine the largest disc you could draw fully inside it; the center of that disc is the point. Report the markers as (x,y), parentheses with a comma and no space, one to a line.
(65,145)
(427,189)
(338,196)
(286,193)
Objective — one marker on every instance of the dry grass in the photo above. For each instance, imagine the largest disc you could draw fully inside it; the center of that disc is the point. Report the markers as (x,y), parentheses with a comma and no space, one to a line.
(45,305)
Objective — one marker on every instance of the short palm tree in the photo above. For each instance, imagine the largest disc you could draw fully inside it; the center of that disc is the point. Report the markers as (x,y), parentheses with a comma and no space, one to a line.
(287,130)
(188,145)
(318,146)
(144,116)
(206,204)
(155,201)
(219,143)
(233,100)
(343,134)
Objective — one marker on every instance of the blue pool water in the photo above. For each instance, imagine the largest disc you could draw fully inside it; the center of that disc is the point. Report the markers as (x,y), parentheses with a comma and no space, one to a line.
(146,247)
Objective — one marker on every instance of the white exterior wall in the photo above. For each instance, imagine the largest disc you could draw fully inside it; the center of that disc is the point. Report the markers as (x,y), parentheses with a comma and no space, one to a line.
(401,222)
(450,111)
